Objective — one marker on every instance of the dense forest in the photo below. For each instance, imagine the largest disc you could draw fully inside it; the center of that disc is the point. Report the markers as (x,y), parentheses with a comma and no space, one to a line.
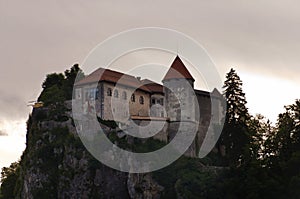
(261,160)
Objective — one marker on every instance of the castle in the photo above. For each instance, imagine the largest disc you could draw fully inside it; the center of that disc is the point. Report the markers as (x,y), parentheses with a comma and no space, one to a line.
(121,97)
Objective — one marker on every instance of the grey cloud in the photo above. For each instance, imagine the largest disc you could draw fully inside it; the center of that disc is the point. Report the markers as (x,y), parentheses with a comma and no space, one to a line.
(43,37)
(13,106)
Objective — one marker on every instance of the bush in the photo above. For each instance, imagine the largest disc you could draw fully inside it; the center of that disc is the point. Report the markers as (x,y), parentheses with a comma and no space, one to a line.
(9,178)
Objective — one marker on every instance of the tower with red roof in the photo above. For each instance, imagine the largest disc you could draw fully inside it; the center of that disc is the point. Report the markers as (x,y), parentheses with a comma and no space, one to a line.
(179,93)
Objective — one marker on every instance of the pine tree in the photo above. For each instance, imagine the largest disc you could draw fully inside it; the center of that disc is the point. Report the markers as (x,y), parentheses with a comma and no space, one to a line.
(236,134)
(261,131)
(287,138)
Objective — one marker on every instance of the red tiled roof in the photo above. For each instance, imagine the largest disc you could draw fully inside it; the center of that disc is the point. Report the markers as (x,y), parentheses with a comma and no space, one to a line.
(152,86)
(108,75)
(178,71)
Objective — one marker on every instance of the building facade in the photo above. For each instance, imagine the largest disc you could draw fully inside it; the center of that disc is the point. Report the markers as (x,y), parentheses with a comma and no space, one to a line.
(124,98)
(117,96)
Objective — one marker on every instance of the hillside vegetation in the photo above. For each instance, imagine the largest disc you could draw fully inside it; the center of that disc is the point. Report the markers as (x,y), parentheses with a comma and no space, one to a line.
(260,161)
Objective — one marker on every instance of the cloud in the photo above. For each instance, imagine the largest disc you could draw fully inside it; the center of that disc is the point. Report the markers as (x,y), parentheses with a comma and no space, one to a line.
(257,37)
(12,105)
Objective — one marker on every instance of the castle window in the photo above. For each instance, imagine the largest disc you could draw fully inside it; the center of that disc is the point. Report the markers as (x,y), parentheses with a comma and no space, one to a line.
(141,100)
(93,93)
(161,102)
(124,95)
(109,92)
(133,98)
(97,93)
(116,93)
(78,93)
(90,93)
(153,101)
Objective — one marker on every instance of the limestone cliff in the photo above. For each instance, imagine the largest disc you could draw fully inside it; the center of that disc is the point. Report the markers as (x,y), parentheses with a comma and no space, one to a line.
(55,164)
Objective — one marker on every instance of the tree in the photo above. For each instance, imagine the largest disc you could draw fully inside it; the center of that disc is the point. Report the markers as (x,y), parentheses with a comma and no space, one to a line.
(236,135)
(58,87)
(53,96)
(286,140)
(72,75)
(53,79)
(9,178)
(53,82)
(261,130)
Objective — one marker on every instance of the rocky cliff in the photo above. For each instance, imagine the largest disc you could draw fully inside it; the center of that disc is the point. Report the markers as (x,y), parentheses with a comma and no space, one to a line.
(55,164)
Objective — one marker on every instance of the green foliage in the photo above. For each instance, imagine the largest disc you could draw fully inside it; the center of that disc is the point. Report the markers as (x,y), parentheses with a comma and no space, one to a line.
(187,177)
(72,75)
(261,161)
(260,129)
(274,173)
(52,80)
(109,123)
(137,145)
(53,95)
(9,177)
(58,87)
(236,134)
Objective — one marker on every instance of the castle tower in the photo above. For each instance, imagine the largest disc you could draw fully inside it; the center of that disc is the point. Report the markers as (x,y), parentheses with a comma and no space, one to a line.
(179,92)
(181,105)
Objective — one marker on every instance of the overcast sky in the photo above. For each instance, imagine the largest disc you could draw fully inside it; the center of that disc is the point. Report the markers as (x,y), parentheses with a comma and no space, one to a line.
(260,39)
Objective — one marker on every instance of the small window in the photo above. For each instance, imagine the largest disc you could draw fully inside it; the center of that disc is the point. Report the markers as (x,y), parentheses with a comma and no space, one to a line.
(124,95)
(133,98)
(97,93)
(78,93)
(116,93)
(153,101)
(161,102)
(109,92)
(141,100)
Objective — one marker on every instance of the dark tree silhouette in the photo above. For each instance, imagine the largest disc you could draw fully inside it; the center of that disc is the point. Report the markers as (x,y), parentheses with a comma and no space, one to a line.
(235,135)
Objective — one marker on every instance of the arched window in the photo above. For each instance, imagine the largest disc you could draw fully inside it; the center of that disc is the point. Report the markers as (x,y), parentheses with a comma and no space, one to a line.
(141,100)
(109,92)
(124,95)
(116,93)
(133,98)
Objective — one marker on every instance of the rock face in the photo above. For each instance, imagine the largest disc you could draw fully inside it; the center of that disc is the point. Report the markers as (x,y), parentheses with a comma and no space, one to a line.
(55,164)
(143,186)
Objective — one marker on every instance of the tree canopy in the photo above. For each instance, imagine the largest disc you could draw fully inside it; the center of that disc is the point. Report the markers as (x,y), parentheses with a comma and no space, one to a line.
(58,87)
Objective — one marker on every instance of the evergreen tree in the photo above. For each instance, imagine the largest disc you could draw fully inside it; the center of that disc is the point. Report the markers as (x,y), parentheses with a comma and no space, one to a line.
(284,150)
(286,141)
(260,129)
(236,135)
(70,77)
